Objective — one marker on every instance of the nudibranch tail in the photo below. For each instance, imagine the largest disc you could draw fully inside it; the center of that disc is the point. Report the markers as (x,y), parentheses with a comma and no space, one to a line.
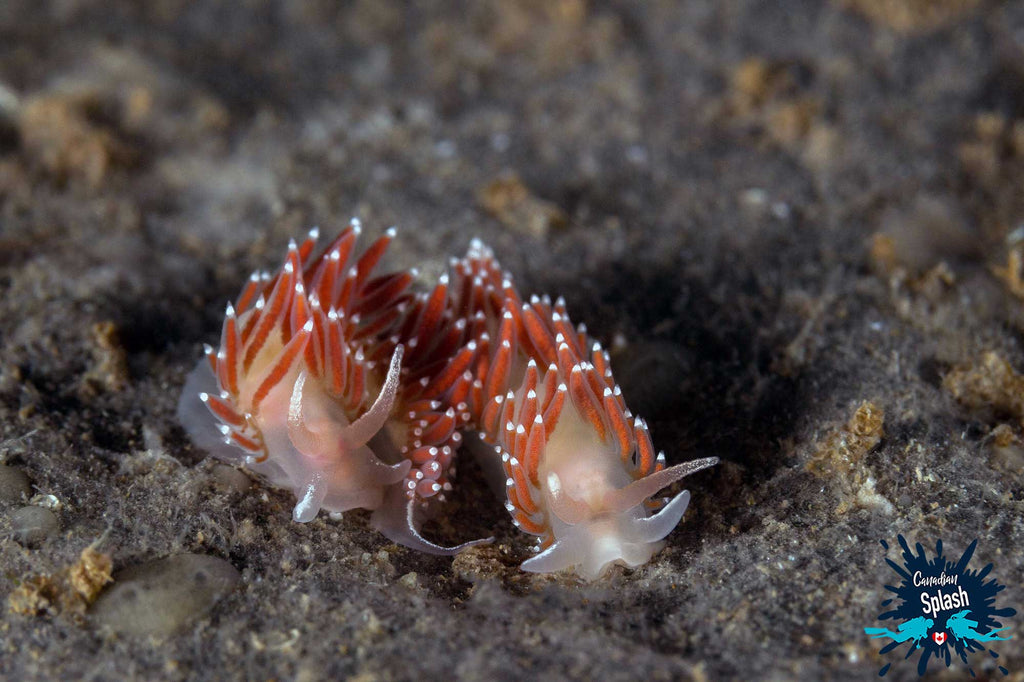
(293,391)
(580,468)
(399,519)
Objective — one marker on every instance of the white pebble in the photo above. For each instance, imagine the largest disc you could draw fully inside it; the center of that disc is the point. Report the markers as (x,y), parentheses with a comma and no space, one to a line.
(164,596)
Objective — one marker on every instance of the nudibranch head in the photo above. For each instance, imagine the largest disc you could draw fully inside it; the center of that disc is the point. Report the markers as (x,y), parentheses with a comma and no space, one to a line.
(580,468)
(292,391)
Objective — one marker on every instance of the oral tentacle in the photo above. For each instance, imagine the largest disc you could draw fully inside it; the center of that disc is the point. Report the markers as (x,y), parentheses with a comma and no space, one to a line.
(653,528)
(314,490)
(305,439)
(364,428)
(636,492)
(561,555)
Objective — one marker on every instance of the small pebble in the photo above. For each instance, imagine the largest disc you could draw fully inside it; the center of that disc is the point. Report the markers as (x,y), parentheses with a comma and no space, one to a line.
(30,526)
(231,479)
(14,485)
(164,596)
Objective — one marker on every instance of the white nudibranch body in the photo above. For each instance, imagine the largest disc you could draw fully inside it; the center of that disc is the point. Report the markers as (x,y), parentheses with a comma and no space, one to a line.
(580,469)
(289,393)
(317,387)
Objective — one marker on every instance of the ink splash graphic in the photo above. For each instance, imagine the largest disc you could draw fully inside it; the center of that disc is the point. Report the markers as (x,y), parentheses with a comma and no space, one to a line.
(941,608)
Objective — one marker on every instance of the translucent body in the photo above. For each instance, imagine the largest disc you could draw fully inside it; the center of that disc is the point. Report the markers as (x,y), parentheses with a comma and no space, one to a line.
(580,469)
(319,386)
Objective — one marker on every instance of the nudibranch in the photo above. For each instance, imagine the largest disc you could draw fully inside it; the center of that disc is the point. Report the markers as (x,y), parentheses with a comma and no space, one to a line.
(322,384)
(353,391)
(579,468)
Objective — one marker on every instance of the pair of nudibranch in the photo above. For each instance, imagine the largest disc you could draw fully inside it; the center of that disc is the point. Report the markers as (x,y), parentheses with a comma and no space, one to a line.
(354,390)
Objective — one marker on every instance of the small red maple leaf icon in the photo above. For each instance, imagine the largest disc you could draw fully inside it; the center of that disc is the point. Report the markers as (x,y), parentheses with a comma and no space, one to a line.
(939,637)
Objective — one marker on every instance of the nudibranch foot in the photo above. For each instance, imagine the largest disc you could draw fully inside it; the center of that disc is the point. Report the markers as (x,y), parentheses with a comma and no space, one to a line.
(398,519)
(592,548)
